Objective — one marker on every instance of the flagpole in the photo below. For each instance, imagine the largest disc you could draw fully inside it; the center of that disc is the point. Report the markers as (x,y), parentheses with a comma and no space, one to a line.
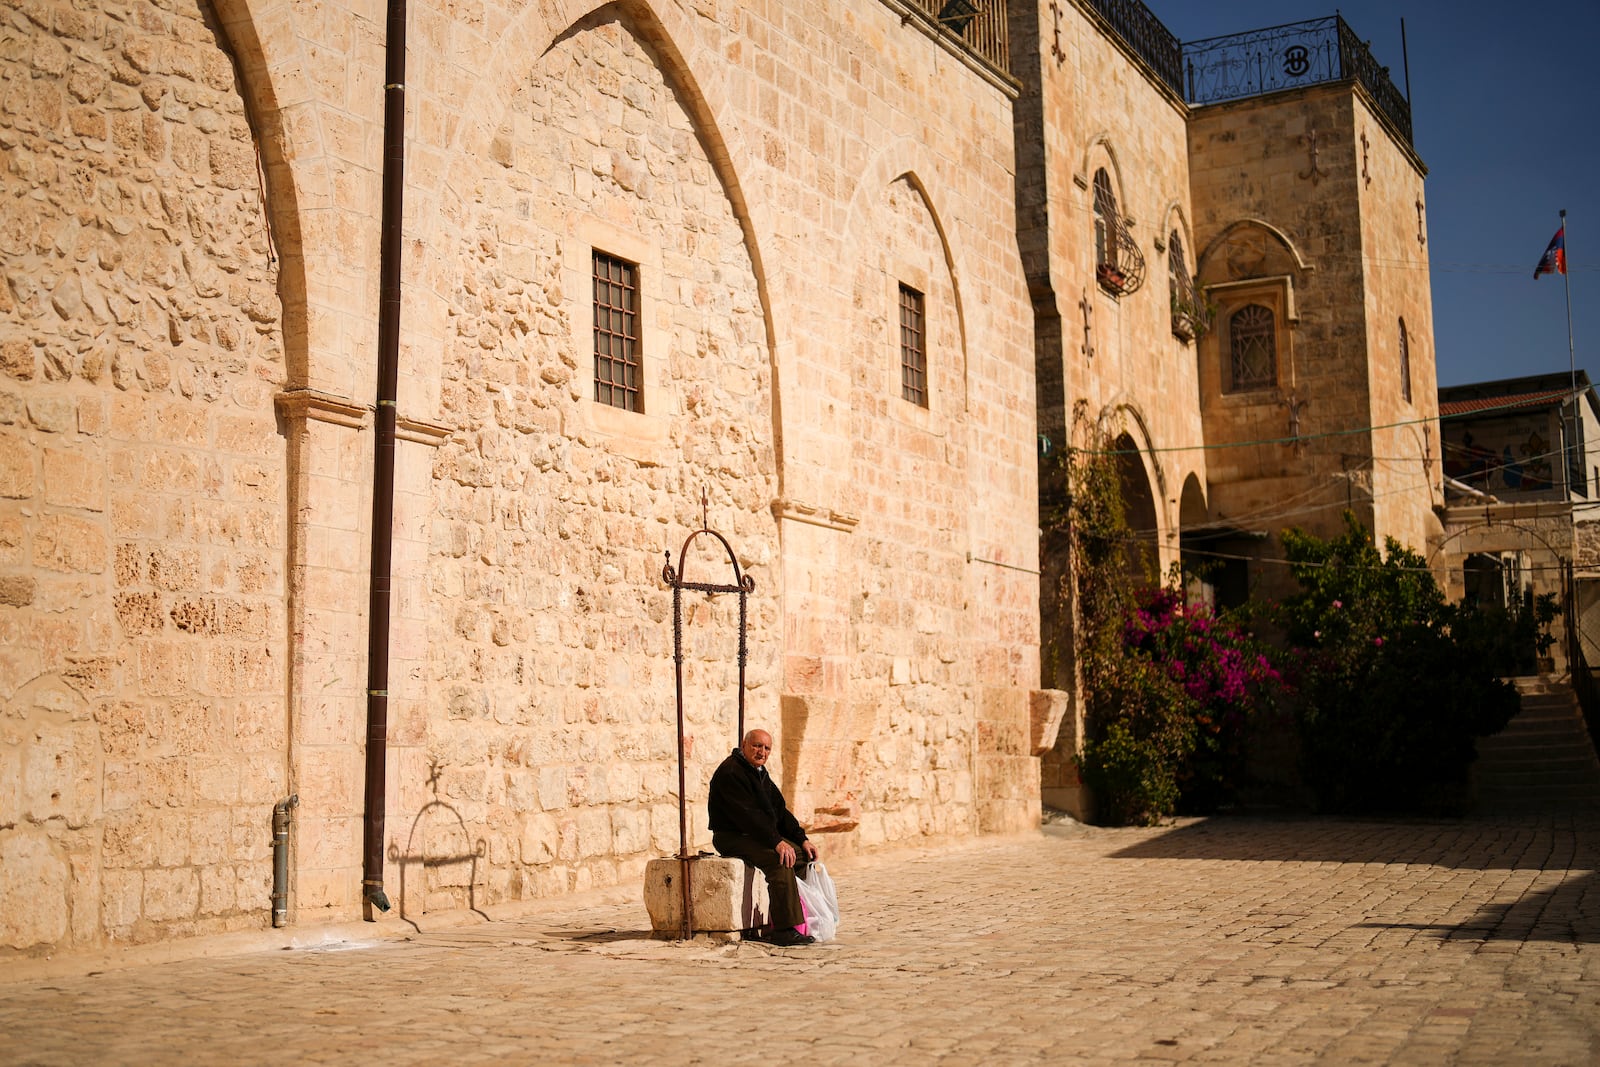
(1566,281)
(1572,358)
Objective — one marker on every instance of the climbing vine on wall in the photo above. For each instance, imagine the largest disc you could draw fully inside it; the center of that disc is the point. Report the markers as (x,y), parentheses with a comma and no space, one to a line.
(1169,689)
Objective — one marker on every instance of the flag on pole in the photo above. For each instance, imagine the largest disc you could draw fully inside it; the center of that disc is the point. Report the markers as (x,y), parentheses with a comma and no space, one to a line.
(1554,260)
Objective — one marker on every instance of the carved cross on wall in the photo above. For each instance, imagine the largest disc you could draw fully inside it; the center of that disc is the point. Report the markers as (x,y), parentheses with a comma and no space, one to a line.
(1055,46)
(1088,325)
(1421,240)
(1365,144)
(1314,172)
(1295,408)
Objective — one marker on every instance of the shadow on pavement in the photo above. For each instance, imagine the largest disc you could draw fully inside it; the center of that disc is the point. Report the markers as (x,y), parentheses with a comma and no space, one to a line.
(1559,843)
(1539,841)
(601,937)
(1554,915)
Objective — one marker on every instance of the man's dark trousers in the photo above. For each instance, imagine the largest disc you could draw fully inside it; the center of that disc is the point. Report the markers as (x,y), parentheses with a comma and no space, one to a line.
(782,894)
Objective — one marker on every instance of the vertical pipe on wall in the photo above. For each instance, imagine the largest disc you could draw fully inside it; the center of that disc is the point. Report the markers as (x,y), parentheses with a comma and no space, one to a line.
(280,859)
(394,123)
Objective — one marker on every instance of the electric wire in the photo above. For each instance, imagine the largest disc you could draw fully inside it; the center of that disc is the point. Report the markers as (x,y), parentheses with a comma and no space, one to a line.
(1303,438)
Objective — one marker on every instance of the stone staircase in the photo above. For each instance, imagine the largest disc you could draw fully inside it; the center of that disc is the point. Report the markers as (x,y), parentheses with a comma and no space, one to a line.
(1544,757)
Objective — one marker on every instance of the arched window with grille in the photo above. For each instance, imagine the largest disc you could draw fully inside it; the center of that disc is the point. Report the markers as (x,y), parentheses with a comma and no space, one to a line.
(1252,348)
(1189,318)
(1405,364)
(1118,263)
(1105,221)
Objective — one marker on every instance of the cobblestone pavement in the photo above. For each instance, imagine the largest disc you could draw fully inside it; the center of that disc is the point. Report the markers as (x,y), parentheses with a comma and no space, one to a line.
(1231,940)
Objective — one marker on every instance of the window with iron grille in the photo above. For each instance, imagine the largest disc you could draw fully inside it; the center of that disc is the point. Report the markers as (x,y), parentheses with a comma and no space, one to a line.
(1105,222)
(617,378)
(1405,364)
(1189,315)
(1253,348)
(913,347)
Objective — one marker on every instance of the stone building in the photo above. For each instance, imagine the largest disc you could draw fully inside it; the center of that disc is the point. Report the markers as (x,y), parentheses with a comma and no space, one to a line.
(834,270)
(1230,278)
(1522,480)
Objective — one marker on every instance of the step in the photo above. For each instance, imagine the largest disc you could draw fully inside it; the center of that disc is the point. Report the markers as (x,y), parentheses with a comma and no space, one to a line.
(1556,743)
(1543,756)
(1550,761)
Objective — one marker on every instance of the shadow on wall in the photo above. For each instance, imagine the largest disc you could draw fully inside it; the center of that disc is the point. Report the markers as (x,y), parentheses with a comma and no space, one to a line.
(439,850)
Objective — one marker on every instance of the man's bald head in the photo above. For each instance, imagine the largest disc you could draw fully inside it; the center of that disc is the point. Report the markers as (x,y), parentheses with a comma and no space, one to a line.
(756,746)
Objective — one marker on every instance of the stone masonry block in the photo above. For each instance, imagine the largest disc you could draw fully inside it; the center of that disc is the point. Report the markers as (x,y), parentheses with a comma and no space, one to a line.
(1047,707)
(727,896)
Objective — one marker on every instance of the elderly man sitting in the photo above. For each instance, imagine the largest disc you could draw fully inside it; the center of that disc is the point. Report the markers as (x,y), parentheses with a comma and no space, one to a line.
(750,821)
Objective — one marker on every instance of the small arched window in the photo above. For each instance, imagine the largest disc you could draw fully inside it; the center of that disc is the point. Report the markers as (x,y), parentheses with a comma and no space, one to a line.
(1252,348)
(1106,221)
(1405,364)
(1188,312)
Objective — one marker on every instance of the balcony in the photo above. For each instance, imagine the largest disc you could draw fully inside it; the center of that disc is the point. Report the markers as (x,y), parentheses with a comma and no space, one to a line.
(1241,65)
(1292,56)
(978,24)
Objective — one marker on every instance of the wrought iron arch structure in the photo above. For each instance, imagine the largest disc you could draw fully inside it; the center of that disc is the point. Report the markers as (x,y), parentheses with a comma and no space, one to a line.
(743,585)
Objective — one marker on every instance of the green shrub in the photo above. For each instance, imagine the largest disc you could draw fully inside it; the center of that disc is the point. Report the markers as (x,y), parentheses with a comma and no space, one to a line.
(1396,685)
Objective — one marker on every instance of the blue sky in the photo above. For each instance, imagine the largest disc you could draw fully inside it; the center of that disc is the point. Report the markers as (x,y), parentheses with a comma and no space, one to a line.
(1503,104)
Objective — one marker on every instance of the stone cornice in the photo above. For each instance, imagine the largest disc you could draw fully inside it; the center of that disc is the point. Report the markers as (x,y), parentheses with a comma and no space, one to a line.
(309,404)
(419,432)
(313,406)
(800,511)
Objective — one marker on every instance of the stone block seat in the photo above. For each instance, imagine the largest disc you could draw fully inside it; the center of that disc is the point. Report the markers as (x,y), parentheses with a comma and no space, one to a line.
(728,896)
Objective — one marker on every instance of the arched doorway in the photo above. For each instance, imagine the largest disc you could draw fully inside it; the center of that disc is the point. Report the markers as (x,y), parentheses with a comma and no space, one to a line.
(1139,512)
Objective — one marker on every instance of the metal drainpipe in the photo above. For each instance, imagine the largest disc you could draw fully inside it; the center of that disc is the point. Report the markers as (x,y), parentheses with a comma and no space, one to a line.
(280,859)
(394,154)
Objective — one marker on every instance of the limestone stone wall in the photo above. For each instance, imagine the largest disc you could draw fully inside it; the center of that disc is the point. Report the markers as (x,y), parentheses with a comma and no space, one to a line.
(143,652)
(1098,109)
(1115,357)
(1407,465)
(550,648)
(771,245)
(188,446)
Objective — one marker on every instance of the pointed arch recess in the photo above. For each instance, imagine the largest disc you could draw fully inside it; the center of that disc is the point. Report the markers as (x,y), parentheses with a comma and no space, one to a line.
(286,121)
(1300,261)
(700,78)
(1173,218)
(1101,142)
(909,159)
(1122,417)
(1193,507)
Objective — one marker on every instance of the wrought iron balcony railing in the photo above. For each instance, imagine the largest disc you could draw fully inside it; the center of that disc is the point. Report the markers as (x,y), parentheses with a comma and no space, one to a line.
(1299,54)
(1238,65)
(979,24)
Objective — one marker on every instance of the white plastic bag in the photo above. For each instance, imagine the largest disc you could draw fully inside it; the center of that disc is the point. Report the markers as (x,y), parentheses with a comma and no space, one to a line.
(821,902)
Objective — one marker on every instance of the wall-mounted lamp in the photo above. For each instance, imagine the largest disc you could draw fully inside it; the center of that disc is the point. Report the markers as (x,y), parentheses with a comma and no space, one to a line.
(957,15)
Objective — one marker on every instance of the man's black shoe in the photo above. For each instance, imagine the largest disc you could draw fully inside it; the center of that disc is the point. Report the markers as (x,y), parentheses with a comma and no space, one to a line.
(790,938)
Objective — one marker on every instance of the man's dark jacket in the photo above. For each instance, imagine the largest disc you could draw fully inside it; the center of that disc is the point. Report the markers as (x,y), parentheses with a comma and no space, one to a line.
(745,800)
